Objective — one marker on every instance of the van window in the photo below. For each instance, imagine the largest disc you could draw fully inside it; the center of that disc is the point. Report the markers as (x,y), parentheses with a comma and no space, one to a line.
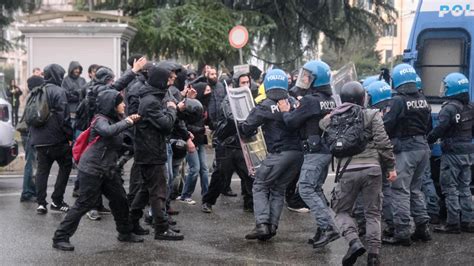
(438,57)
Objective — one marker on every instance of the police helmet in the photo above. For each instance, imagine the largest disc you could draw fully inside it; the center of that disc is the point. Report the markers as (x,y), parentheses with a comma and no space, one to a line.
(455,83)
(368,80)
(352,92)
(379,91)
(275,79)
(403,74)
(419,84)
(314,73)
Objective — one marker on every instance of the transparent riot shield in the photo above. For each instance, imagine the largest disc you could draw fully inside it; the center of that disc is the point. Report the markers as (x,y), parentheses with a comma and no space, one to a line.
(253,148)
(342,76)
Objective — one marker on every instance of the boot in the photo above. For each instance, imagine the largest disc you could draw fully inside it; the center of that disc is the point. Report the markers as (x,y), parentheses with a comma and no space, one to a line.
(373,259)
(174,228)
(131,238)
(388,231)
(139,230)
(356,249)
(273,230)
(169,235)
(260,232)
(467,227)
(422,232)
(396,241)
(448,229)
(327,236)
(63,245)
(316,236)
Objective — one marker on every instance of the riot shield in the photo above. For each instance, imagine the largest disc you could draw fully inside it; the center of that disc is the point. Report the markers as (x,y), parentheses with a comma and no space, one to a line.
(342,76)
(253,148)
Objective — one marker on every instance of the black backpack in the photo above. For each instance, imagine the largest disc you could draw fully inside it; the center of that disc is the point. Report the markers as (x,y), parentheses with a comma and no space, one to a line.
(345,135)
(86,109)
(37,111)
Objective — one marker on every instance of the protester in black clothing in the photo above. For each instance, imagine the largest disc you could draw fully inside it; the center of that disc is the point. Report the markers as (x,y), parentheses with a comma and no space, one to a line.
(14,93)
(73,84)
(52,142)
(158,118)
(97,172)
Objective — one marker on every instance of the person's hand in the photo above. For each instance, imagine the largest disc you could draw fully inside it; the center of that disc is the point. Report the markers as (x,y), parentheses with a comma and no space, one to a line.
(191,93)
(138,64)
(284,105)
(135,117)
(191,135)
(171,105)
(181,106)
(208,130)
(191,146)
(392,176)
(129,120)
(185,91)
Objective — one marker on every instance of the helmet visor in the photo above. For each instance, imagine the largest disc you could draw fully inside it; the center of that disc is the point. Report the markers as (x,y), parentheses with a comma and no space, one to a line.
(305,79)
(442,89)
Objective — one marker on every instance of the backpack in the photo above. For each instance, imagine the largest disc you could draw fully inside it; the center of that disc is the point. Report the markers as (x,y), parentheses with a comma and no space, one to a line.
(86,109)
(37,111)
(82,142)
(345,135)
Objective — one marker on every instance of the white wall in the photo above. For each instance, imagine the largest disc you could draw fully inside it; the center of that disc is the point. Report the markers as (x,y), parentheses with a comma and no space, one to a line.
(62,51)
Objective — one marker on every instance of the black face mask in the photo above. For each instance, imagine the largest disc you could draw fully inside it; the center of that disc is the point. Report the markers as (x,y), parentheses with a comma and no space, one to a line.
(212,82)
(205,99)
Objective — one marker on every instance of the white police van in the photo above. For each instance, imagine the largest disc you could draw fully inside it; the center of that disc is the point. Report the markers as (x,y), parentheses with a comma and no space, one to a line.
(8,145)
(441,43)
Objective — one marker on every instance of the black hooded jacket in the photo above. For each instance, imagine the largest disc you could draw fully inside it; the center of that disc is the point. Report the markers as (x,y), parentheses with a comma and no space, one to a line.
(58,127)
(101,157)
(197,124)
(132,94)
(155,126)
(73,86)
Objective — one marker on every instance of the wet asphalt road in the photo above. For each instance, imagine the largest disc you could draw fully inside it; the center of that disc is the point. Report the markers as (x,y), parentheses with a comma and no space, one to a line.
(216,238)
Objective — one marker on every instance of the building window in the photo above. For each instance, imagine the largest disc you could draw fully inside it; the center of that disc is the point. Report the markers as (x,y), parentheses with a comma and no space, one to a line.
(390,30)
(388,55)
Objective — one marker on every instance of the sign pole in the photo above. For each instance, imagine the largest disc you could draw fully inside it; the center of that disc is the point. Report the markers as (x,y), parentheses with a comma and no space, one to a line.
(241,57)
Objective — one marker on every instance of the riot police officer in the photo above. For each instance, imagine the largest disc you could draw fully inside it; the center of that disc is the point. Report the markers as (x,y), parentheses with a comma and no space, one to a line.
(407,124)
(315,77)
(284,155)
(455,131)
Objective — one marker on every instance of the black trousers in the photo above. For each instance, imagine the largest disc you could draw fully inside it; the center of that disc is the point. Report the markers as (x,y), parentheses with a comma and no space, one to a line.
(228,161)
(92,187)
(153,190)
(134,183)
(46,156)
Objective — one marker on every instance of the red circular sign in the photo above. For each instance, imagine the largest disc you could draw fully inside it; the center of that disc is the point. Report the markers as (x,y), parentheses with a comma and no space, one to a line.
(238,36)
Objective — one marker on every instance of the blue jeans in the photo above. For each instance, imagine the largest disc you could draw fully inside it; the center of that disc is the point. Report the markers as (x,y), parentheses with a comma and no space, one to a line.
(29,187)
(197,166)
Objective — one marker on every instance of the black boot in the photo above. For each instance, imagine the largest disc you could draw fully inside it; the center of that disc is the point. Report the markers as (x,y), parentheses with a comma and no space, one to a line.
(169,235)
(448,229)
(131,238)
(139,230)
(396,241)
(63,245)
(467,227)
(260,232)
(422,232)
(373,259)
(174,228)
(316,236)
(356,249)
(327,236)
(273,230)
(388,231)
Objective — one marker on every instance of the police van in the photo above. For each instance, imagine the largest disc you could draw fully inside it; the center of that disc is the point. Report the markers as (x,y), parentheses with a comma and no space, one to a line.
(8,145)
(440,43)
